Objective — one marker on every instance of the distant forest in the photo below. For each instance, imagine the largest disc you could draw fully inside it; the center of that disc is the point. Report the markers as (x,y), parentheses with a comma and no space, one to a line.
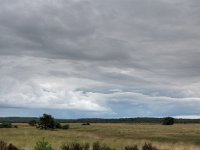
(98,120)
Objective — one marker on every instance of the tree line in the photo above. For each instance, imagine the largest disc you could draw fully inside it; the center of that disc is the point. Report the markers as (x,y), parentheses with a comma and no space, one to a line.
(99,120)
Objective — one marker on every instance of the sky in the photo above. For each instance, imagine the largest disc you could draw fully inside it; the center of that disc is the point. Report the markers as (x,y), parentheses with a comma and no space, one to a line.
(100,58)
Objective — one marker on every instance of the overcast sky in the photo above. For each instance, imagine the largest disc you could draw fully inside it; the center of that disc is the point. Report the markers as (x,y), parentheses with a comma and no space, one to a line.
(100,58)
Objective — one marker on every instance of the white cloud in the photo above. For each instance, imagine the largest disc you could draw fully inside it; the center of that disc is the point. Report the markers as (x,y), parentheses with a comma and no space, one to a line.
(100,55)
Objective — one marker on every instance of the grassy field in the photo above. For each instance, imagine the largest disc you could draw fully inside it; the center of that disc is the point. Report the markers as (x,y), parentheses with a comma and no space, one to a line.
(176,137)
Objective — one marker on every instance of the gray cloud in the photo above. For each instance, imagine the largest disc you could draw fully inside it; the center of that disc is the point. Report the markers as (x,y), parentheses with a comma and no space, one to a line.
(101,55)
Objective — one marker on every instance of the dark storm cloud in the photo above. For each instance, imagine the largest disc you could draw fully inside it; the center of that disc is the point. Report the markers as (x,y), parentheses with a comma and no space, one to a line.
(101,55)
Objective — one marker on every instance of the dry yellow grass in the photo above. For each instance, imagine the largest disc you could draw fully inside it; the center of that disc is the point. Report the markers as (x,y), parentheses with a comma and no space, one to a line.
(176,137)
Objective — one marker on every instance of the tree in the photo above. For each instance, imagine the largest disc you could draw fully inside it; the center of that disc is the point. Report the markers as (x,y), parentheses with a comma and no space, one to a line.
(47,122)
(32,123)
(168,121)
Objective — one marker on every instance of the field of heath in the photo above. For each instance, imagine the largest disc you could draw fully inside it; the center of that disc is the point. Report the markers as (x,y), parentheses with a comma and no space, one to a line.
(175,137)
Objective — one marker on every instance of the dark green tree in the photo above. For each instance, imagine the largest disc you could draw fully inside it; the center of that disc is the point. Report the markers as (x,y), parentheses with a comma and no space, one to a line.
(168,121)
(32,123)
(46,122)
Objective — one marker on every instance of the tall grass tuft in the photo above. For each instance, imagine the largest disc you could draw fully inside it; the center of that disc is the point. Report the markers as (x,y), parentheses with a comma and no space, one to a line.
(43,145)
(3,145)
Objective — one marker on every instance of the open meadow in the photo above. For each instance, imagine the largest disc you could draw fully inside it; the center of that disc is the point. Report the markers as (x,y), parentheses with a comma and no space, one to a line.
(176,137)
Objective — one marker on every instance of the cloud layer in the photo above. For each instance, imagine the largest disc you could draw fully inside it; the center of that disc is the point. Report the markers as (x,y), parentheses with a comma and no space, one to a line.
(113,58)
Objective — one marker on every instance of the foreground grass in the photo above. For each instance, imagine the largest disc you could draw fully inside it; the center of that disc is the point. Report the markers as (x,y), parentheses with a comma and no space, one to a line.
(176,137)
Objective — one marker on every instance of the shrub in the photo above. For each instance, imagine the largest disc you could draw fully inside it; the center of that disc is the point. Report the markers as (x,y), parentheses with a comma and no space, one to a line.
(43,145)
(11,147)
(58,125)
(75,146)
(32,123)
(3,146)
(148,146)
(135,147)
(168,121)
(6,125)
(65,127)
(86,124)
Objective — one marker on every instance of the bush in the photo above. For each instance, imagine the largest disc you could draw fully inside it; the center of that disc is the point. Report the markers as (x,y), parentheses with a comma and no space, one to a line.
(58,125)
(6,125)
(86,124)
(148,146)
(168,121)
(131,147)
(75,146)
(11,147)
(43,145)
(3,146)
(32,123)
(65,127)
